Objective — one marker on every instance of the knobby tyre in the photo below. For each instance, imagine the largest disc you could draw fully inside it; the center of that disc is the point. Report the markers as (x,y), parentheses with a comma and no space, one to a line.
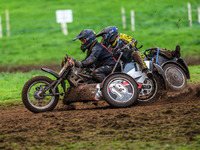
(32,99)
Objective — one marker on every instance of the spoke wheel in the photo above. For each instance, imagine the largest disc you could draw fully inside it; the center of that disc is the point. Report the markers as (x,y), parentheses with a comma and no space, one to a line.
(33,98)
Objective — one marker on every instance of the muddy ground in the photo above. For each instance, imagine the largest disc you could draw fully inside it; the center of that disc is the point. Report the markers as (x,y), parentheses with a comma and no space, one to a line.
(173,119)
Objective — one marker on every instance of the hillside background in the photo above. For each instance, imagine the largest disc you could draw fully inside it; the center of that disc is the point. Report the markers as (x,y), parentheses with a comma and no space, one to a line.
(36,38)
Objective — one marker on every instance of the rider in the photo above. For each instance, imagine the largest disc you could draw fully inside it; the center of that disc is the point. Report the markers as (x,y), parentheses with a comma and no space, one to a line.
(97,55)
(115,42)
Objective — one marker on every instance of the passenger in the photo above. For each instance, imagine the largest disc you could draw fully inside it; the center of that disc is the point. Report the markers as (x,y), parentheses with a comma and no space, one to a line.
(97,54)
(115,42)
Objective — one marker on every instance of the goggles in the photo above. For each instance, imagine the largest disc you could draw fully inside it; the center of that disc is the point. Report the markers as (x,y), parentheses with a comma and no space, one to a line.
(83,41)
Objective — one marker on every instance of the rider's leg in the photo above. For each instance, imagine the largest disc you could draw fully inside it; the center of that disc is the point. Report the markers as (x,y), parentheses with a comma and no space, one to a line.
(100,73)
(137,56)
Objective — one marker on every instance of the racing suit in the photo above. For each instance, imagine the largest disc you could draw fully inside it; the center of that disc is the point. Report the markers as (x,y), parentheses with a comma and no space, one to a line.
(130,54)
(100,57)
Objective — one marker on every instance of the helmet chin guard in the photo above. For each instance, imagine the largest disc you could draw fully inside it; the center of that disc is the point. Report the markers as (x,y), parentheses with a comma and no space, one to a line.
(83,48)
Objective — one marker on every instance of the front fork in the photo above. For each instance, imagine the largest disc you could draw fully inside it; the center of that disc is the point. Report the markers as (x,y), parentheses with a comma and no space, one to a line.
(54,84)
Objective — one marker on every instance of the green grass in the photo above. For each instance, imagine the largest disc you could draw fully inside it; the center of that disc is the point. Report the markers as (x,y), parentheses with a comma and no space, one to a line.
(195,74)
(12,84)
(36,37)
(130,145)
(118,145)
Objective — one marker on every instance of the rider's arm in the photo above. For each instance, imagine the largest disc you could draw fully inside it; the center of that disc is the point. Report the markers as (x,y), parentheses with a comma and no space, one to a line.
(128,39)
(92,57)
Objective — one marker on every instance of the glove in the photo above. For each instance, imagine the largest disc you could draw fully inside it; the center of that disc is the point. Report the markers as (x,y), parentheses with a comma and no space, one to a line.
(134,48)
(78,64)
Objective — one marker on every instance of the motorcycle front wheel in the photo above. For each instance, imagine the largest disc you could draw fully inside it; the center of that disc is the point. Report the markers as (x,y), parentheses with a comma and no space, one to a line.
(34,100)
(120,90)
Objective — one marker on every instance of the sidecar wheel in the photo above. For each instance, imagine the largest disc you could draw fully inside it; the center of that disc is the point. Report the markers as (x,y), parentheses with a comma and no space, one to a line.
(32,99)
(120,90)
(175,76)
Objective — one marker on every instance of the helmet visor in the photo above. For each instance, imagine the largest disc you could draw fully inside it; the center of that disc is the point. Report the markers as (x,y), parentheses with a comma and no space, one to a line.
(83,41)
(104,37)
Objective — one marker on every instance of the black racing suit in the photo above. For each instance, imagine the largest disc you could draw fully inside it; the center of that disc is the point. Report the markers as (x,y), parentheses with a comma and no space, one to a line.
(103,60)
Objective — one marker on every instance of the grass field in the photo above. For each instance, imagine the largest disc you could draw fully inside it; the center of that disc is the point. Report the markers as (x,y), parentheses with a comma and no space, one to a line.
(36,37)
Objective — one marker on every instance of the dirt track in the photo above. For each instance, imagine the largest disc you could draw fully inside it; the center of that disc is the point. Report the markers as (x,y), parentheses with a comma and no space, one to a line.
(174,118)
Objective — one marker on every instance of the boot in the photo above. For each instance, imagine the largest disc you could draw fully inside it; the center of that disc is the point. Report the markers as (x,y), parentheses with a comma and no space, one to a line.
(148,73)
(176,53)
(138,58)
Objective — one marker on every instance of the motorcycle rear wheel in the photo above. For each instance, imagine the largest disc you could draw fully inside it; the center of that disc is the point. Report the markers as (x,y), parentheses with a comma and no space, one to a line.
(36,102)
(151,89)
(175,76)
(120,90)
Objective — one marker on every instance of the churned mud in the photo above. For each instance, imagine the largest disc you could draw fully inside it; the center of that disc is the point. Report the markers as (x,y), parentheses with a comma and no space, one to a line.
(173,118)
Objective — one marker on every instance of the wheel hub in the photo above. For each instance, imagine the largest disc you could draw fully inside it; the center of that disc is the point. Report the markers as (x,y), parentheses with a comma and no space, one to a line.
(147,88)
(174,76)
(120,90)
(37,93)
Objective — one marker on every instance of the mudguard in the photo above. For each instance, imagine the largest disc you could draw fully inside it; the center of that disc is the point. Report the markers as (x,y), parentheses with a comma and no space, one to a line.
(182,64)
(185,67)
(161,72)
(51,72)
(55,75)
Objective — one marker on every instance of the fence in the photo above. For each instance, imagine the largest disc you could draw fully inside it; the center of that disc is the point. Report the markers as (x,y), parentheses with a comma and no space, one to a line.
(163,19)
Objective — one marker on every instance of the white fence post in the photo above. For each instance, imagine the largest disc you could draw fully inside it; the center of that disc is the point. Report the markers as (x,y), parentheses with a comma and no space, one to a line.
(189,14)
(123,18)
(199,15)
(7,23)
(64,28)
(64,17)
(132,20)
(1,31)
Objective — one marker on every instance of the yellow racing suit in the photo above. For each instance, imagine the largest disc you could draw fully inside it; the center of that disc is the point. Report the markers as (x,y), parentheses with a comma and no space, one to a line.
(129,54)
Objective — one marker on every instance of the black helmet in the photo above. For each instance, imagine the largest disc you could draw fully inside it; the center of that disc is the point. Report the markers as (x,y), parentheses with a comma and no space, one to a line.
(109,35)
(87,37)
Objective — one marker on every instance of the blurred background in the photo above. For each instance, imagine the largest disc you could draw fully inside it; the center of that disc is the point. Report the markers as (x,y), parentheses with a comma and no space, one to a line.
(36,38)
